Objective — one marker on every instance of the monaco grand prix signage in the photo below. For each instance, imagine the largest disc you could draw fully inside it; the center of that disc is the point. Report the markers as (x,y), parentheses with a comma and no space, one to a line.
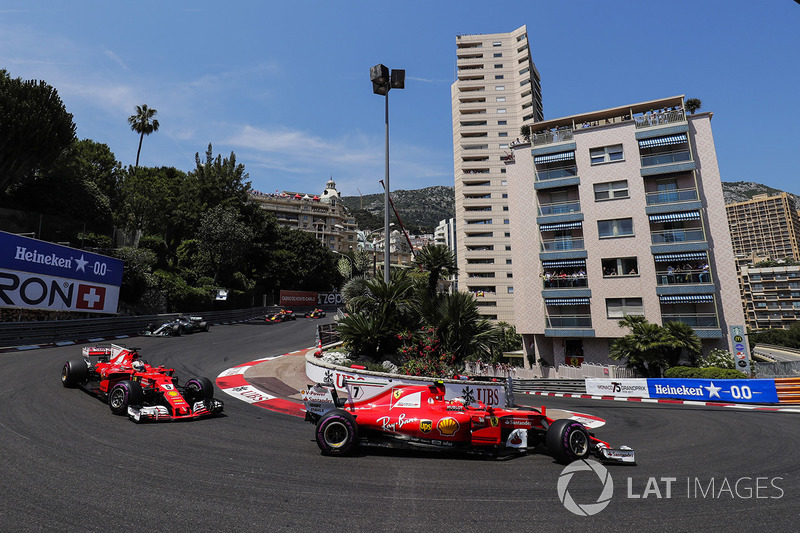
(41,275)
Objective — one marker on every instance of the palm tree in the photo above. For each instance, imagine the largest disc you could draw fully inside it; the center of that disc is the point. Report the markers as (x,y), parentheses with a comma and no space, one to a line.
(437,260)
(458,325)
(644,347)
(681,337)
(143,123)
(692,105)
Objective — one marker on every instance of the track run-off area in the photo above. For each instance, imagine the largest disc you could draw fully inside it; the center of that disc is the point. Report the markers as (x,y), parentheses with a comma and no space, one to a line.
(68,464)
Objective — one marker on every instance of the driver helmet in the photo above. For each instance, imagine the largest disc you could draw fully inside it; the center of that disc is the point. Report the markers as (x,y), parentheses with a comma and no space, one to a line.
(138,366)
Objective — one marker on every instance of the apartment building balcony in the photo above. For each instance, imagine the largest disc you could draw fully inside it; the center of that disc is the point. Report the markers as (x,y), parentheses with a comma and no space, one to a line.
(695,310)
(553,137)
(570,323)
(559,208)
(664,201)
(563,245)
(660,119)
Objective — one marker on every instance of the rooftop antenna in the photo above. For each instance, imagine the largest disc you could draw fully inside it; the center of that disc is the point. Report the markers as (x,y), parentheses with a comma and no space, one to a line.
(362,198)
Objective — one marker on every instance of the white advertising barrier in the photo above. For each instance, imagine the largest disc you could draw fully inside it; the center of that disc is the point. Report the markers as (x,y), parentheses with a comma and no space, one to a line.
(624,387)
(365,384)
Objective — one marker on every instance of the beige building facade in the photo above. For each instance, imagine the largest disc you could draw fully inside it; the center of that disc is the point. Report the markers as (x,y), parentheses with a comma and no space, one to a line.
(771,296)
(619,212)
(764,227)
(497,90)
(323,215)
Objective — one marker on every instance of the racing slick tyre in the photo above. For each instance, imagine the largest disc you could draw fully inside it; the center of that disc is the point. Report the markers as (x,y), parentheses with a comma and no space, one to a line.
(567,441)
(123,394)
(204,326)
(176,330)
(197,389)
(337,432)
(73,373)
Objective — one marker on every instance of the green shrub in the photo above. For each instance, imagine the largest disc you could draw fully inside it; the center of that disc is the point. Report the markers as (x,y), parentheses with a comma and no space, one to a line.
(688,372)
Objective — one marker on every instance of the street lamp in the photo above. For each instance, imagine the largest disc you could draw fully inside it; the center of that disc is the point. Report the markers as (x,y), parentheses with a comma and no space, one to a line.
(382,82)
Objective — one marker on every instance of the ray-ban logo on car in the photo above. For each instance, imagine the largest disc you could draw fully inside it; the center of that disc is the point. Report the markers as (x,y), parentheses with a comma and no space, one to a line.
(585,509)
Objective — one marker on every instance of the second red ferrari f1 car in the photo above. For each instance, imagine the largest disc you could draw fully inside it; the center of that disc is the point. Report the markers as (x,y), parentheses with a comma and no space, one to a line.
(404,415)
(135,388)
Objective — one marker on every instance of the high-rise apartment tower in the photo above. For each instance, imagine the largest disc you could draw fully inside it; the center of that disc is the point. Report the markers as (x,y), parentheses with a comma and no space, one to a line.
(496,92)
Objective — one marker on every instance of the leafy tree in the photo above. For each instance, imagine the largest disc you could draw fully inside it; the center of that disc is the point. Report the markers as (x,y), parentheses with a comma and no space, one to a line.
(144,123)
(219,181)
(692,105)
(225,240)
(34,128)
(718,358)
(525,132)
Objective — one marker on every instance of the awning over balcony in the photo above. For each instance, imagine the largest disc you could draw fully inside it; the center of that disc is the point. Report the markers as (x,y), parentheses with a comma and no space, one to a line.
(675,217)
(686,256)
(686,298)
(550,158)
(566,301)
(663,141)
(565,263)
(560,226)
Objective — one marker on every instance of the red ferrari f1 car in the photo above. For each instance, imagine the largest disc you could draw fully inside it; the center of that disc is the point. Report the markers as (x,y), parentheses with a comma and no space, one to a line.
(132,386)
(403,415)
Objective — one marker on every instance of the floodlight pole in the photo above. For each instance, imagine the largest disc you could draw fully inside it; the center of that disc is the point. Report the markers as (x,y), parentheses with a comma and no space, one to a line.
(383,80)
(386,246)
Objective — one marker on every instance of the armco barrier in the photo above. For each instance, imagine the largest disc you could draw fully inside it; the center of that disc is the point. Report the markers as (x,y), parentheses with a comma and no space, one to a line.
(365,383)
(54,331)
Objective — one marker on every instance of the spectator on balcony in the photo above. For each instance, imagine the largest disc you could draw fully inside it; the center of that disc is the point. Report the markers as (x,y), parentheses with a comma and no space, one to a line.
(704,274)
(670,274)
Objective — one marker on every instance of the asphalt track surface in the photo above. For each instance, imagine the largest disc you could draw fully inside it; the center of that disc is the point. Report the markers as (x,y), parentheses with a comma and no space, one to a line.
(68,464)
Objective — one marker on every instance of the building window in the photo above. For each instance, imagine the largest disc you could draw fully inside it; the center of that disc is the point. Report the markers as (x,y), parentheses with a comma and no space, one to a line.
(501,99)
(502,134)
(606,154)
(502,122)
(497,43)
(619,307)
(508,247)
(505,195)
(612,190)
(505,221)
(498,77)
(498,54)
(508,261)
(500,88)
(511,290)
(620,227)
(503,182)
(509,274)
(505,208)
(620,266)
(498,65)
(508,234)
(502,171)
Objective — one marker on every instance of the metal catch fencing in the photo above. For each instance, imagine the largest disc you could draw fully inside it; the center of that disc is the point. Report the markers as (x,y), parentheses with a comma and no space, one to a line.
(54,331)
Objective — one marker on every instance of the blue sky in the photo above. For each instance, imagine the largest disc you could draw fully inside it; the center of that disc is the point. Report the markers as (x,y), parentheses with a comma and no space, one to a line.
(285,85)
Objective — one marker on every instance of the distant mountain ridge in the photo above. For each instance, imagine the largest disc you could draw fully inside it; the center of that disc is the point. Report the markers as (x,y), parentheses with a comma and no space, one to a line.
(418,208)
(739,191)
(424,208)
